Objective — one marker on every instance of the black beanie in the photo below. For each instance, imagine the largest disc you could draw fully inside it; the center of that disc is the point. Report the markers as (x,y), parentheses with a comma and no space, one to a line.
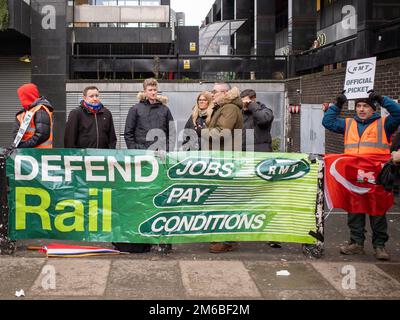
(367,101)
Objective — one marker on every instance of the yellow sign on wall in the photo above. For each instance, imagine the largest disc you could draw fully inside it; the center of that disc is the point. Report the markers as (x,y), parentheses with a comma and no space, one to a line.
(193,46)
(186,64)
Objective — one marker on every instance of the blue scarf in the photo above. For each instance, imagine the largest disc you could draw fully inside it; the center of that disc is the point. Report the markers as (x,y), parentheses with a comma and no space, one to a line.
(92,107)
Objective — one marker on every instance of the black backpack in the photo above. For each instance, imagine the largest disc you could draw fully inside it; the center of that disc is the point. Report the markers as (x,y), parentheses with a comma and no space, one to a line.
(389,176)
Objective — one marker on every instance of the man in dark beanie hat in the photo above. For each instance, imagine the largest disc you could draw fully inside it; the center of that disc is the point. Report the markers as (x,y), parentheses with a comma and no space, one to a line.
(366,133)
(368,101)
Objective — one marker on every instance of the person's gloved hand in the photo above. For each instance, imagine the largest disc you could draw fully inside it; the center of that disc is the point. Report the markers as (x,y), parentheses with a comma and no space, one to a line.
(374,97)
(341,100)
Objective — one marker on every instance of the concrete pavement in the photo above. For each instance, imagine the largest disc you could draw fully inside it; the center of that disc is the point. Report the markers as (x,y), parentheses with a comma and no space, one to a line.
(190,272)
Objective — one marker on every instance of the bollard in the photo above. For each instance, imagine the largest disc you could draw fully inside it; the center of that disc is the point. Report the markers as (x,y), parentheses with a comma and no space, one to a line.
(6,245)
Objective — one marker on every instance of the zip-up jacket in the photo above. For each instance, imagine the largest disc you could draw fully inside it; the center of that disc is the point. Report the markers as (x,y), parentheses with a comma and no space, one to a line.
(85,129)
(258,118)
(144,117)
(332,122)
(42,122)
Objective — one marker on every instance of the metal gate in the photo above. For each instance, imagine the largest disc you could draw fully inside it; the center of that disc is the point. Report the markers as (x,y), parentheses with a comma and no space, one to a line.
(13,74)
(312,132)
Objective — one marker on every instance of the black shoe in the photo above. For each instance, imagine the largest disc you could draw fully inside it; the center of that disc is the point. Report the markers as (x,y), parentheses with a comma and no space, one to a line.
(274,244)
(165,248)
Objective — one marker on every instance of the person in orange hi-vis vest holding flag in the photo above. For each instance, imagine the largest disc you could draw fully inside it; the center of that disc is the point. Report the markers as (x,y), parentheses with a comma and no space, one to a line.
(367,133)
(33,127)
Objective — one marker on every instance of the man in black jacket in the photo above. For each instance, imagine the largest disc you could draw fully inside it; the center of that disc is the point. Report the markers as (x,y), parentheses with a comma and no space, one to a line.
(148,127)
(91,124)
(148,123)
(257,117)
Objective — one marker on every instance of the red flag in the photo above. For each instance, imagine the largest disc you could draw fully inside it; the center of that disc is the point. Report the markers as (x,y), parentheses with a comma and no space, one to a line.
(350,184)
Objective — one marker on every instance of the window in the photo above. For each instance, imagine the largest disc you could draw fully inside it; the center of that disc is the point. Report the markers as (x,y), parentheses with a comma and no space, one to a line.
(128,2)
(106,2)
(150,2)
(149,25)
(102,24)
(125,2)
(128,25)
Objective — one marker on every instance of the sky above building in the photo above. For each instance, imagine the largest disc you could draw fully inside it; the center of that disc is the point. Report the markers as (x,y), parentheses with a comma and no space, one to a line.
(195,10)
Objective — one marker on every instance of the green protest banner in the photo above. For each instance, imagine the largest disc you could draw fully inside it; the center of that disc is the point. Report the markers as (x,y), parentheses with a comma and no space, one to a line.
(140,196)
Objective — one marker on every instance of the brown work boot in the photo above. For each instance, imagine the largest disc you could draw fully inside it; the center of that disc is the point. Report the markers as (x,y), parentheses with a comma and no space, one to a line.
(352,248)
(220,247)
(381,254)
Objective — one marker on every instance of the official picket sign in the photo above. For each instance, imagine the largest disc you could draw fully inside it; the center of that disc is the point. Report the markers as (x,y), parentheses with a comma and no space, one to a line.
(360,78)
(144,197)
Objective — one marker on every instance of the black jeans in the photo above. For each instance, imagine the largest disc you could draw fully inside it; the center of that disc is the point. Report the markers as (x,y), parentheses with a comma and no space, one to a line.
(356,223)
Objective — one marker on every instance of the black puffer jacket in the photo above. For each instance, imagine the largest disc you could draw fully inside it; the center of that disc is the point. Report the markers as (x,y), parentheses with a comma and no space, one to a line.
(42,123)
(85,129)
(144,117)
(259,118)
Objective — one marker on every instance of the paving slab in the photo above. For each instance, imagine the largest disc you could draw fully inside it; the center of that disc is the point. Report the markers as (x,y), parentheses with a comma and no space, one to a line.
(74,278)
(336,234)
(359,280)
(391,269)
(304,282)
(217,279)
(17,274)
(144,279)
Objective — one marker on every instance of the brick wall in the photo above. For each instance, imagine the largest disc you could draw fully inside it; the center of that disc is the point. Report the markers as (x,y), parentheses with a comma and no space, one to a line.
(325,86)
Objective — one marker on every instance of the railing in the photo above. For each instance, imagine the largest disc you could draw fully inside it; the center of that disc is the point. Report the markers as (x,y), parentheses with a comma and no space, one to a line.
(380,41)
(179,67)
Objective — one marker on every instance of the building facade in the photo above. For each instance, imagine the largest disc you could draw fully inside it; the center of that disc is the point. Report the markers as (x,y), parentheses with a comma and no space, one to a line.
(345,30)
(303,44)
(53,42)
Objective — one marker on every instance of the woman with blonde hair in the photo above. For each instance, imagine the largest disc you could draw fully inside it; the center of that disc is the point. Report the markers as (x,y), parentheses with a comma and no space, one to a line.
(198,120)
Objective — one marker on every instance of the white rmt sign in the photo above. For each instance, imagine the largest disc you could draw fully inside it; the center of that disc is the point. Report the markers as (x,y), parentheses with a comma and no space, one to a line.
(360,77)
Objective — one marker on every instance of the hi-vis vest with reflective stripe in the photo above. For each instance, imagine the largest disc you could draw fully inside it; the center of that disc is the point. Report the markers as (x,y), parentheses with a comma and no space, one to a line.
(373,139)
(30,131)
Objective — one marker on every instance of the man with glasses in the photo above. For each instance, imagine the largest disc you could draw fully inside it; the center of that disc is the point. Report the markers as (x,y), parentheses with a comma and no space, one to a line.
(226,117)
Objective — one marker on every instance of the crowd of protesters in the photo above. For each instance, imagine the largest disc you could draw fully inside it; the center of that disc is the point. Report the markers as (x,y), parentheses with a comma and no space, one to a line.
(214,118)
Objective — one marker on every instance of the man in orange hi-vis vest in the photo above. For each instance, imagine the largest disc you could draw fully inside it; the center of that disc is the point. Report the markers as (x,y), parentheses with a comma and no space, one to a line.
(367,133)
(33,127)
